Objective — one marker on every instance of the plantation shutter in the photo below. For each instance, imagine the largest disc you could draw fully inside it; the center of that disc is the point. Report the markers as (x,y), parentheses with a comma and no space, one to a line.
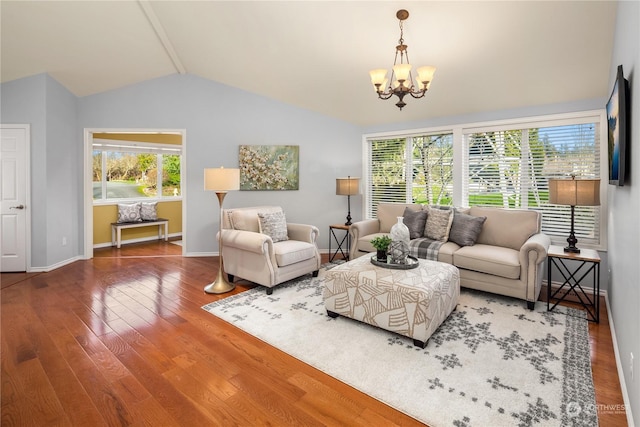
(386,178)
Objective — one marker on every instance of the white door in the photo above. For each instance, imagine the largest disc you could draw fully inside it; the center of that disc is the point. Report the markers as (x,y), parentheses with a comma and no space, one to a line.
(14,156)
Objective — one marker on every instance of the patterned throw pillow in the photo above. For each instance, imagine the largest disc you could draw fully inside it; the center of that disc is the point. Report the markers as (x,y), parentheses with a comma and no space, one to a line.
(149,211)
(273,225)
(129,212)
(466,228)
(415,222)
(438,224)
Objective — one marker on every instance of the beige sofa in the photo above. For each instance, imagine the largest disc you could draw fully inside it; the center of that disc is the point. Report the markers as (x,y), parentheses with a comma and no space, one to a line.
(258,257)
(507,257)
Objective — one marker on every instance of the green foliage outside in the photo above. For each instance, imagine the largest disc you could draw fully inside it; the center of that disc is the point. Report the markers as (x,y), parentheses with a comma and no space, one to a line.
(140,169)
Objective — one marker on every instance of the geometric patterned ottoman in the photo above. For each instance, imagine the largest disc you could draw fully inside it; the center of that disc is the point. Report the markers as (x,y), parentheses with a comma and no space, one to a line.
(413,303)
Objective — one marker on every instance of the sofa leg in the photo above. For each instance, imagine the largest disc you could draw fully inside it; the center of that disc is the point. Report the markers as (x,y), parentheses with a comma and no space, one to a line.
(269,291)
(531,305)
(230,276)
(315,273)
(421,344)
(332,314)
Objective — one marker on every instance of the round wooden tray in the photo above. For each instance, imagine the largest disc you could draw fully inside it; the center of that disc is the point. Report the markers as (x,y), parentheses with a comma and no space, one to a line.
(412,262)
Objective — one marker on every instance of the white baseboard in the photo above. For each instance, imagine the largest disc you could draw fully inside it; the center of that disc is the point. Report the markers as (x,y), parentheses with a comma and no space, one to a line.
(623,384)
(556,285)
(48,268)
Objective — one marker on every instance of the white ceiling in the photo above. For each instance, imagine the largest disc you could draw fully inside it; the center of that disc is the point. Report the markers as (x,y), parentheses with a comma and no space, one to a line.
(317,54)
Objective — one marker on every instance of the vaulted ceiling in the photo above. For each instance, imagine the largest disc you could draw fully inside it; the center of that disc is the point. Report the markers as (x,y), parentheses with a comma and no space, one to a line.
(316,54)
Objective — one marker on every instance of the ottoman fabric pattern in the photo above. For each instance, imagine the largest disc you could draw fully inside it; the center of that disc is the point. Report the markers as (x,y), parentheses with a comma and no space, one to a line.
(411,302)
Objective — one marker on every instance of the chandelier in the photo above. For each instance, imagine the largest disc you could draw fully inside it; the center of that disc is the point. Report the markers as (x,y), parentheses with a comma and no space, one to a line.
(401,82)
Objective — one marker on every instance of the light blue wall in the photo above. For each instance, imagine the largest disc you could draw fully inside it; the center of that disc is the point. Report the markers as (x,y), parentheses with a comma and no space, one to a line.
(49,109)
(624,208)
(218,119)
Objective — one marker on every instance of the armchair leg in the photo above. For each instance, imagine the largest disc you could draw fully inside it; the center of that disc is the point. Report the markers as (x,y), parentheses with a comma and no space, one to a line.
(315,273)
(230,276)
(269,291)
(531,305)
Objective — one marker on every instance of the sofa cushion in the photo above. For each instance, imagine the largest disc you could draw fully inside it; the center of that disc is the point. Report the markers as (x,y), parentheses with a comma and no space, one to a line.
(445,254)
(495,260)
(438,223)
(274,225)
(388,214)
(364,243)
(415,222)
(465,229)
(508,228)
(289,252)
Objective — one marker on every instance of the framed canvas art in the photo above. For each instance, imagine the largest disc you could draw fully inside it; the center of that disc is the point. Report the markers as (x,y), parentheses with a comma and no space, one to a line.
(269,167)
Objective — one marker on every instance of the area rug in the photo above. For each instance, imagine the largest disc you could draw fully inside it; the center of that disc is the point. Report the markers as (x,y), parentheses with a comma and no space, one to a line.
(491,363)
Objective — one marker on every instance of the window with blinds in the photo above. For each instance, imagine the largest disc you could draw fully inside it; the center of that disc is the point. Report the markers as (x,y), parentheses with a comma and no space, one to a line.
(506,164)
(511,168)
(415,169)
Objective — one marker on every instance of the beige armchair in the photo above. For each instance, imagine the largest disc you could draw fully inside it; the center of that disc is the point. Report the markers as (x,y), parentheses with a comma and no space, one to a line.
(263,258)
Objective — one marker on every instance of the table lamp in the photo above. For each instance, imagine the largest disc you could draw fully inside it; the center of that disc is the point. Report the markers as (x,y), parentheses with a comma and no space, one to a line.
(221,181)
(574,192)
(348,186)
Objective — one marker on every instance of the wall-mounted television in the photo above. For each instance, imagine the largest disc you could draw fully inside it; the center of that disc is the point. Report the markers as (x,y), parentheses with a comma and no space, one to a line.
(617,125)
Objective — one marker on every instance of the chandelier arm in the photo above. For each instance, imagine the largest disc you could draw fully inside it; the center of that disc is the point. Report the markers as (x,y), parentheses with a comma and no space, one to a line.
(418,95)
(385,95)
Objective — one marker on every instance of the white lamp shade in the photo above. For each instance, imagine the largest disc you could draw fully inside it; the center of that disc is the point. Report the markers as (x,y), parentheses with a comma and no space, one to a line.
(347,186)
(402,71)
(378,76)
(574,192)
(425,75)
(221,179)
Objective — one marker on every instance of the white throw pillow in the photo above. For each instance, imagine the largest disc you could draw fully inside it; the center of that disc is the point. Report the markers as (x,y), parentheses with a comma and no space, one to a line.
(149,211)
(129,212)
(274,225)
(438,223)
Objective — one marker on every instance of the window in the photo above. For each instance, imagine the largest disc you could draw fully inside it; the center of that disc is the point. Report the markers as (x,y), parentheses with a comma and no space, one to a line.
(416,169)
(506,165)
(133,170)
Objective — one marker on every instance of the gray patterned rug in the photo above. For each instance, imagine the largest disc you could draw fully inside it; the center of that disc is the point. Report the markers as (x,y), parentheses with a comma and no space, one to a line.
(491,363)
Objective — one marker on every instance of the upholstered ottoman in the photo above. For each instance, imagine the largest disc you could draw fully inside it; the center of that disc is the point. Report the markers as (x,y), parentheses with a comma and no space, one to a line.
(410,302)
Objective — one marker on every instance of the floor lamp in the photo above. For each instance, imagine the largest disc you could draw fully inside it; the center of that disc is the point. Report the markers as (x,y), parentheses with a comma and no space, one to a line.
(221,181)
(574,192)
(348,186)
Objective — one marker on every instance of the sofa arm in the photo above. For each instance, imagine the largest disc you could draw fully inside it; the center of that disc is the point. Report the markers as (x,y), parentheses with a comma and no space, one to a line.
(303,232)
(532,255)
(360,229)
(535,249)
(247,241)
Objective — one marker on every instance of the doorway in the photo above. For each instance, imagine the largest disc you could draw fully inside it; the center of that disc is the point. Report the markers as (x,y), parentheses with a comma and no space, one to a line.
(142,136)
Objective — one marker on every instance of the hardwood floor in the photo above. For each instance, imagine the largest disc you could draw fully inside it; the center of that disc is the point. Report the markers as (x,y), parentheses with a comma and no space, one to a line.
(121,340)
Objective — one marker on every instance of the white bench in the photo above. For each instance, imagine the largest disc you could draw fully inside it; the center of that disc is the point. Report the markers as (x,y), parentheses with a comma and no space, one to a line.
(117,227)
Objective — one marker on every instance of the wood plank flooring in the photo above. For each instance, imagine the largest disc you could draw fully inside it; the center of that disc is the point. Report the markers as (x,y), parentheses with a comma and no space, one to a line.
(121,340)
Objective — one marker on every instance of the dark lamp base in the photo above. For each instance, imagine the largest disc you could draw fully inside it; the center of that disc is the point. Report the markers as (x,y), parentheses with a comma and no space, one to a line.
(572,249)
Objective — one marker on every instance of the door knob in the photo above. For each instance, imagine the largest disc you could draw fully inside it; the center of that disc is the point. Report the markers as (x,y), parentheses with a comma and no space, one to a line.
(17,207)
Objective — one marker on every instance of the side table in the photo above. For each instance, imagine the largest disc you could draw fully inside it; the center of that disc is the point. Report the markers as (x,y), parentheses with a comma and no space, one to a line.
(588,263)
(344,244)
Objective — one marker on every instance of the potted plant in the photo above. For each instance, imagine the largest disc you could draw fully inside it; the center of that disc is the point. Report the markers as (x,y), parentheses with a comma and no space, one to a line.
(381,243)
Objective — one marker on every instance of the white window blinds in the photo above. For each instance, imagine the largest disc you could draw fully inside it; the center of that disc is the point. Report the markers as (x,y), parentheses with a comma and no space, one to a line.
(511,168)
